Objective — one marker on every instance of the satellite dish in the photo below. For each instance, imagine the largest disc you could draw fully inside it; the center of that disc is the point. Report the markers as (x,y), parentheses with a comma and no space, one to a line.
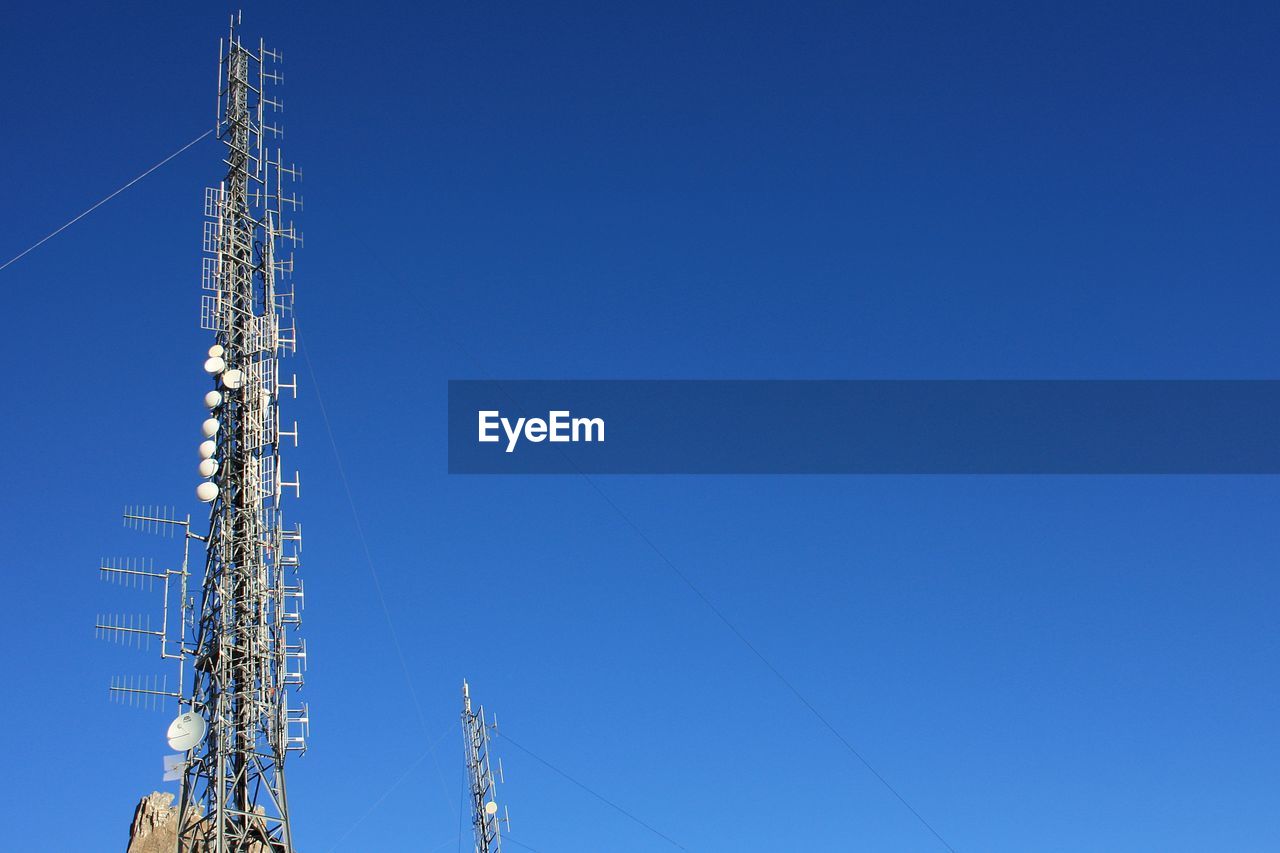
(216,351)
(210,427)
(212,399)
(185,731)
(214,365)
(490,808)
(206,492)
(208,448)
(232,379)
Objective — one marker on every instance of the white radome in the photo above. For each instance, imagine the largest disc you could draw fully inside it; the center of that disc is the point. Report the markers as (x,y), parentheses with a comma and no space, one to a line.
(214,365)
(491,808)
(210,427)
(212,399)
(208,467)
(232,379)
(208,448)
(216,351)
(206,491)
(185,731)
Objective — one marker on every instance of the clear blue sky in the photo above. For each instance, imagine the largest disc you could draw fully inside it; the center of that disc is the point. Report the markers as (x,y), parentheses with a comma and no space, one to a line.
(654,190)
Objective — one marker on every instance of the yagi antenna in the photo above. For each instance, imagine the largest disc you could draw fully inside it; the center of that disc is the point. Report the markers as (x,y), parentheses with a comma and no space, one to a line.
(133,630)
(133,572)
(150,692)
(138,631)
(162,520)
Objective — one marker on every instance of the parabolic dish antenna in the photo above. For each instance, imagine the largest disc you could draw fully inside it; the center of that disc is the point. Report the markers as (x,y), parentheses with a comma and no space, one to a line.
(491,808)
(185,731)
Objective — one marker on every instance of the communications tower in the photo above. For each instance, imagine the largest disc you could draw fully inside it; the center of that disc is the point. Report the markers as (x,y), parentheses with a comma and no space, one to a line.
(236,724)
(482,786)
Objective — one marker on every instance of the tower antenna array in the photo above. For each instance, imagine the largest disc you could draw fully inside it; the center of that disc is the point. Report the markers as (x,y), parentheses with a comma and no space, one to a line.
(482,784)
(236,725)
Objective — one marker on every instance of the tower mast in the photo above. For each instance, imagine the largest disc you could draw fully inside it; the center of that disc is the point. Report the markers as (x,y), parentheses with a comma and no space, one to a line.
(236,725)
(233,788)
(483,788)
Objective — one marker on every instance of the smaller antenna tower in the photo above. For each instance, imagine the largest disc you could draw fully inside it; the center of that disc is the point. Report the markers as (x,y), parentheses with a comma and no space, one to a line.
(482,784)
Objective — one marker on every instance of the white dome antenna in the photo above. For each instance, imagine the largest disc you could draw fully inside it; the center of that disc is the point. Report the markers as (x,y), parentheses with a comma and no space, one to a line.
(185,731)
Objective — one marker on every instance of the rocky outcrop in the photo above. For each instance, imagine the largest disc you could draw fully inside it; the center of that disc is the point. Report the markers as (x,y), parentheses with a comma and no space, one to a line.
(155,825)
(155,829)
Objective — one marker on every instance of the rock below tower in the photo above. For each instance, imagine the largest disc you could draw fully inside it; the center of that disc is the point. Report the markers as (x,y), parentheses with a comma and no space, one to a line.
(155,829)
(155,825)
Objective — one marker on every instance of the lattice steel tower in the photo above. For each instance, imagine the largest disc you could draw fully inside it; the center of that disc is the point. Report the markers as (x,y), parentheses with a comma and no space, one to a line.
(233,795)
(238,724)
(482,785)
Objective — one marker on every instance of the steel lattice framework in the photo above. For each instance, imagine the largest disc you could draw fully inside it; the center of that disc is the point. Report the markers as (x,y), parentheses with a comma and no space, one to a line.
(482,785)
(236,724)
(244,660)
(238,639)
